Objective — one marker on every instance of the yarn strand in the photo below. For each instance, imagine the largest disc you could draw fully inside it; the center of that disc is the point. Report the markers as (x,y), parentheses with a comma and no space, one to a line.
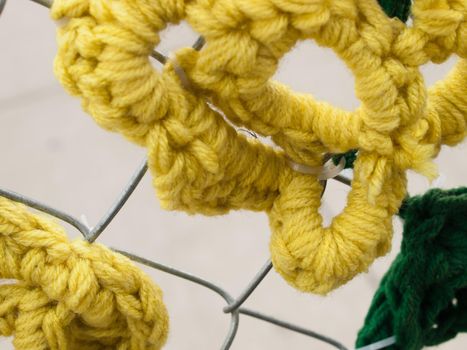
(201,164)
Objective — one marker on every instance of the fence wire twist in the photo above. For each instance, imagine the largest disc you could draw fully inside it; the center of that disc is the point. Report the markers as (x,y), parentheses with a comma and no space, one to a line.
(234,306)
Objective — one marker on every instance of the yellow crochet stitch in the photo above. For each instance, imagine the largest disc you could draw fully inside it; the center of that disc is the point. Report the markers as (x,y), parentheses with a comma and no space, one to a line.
(72,295)
(199,162)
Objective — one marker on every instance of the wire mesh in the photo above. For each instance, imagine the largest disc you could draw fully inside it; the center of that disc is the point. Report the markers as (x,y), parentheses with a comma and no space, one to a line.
(234,305)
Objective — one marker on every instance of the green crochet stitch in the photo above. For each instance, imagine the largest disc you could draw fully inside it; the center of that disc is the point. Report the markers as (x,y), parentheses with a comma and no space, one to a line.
(396,8)
(350,157)
(422,299)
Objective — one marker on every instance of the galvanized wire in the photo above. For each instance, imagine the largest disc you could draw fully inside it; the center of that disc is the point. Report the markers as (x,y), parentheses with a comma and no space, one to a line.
(233,305)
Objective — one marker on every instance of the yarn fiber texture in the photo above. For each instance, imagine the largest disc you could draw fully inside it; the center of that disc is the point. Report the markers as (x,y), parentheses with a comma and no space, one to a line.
(72,295)
(392,8)
(422,299)
(396,8)
(200,164)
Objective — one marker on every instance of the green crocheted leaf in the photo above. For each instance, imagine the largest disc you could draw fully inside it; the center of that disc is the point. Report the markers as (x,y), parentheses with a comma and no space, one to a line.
(422,299)
(393,8)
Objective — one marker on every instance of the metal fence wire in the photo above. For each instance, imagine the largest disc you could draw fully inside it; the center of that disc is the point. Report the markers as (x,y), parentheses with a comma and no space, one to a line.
(233,305)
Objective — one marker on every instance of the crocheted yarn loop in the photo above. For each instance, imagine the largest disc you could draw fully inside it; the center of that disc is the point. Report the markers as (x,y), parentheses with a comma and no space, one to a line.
(200,164)
(379,51)
(72,295)
(422,299)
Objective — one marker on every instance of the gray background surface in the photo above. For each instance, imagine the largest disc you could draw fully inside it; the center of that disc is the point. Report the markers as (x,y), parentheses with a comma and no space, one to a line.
(54,152)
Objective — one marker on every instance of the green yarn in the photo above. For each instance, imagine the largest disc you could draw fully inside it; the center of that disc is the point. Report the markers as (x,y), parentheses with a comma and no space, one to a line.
(396,8)
(392,8)
(422,299)
(349,157)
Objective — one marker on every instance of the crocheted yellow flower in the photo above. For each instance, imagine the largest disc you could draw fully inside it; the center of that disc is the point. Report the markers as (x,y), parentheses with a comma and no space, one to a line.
(72,295)
(200,164)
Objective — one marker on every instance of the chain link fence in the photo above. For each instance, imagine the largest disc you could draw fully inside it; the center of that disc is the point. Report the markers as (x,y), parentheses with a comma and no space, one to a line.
(233,305)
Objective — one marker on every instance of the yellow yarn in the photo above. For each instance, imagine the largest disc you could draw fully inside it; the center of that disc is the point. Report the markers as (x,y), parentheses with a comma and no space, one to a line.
(199,162)
(72,295)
